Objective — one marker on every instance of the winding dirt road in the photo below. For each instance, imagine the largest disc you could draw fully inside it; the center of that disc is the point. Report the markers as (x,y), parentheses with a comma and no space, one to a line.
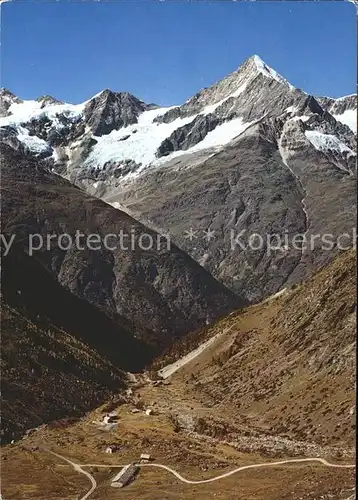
(79,468)
(245,467)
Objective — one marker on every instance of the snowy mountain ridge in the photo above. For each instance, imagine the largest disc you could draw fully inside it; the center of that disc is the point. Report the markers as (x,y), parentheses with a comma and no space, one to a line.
(250,152)
(116,131)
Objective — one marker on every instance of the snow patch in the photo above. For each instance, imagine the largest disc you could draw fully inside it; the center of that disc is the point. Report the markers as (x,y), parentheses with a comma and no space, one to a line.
(34,143)
(303,118)
(291,109)
(345,97)
(222,134)
(327,142)
(212,107)
(349,118)
(214,140)
(55,156)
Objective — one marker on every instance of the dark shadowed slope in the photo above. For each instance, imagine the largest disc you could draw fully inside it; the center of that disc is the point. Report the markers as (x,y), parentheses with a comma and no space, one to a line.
(61,356)
(162,292)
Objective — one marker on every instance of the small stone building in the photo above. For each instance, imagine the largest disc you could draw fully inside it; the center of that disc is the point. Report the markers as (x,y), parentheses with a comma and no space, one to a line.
(125,476)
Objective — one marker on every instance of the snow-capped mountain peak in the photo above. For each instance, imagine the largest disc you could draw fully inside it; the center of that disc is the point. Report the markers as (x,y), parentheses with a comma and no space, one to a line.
(256,65)
(7,98)
(48,100)
(116,130)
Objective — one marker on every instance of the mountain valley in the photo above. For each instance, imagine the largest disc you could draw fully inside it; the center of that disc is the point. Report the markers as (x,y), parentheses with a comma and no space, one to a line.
(142,323)
(273,386)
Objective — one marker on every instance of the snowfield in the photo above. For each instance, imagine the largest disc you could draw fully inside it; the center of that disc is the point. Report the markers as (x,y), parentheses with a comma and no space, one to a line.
(34,143)
(145,137)
(221,135)
(327,142)
(349,118)
(26,111)
(139,142)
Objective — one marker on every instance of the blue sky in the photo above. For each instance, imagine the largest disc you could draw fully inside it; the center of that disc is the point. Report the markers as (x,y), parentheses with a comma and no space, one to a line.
(164,52)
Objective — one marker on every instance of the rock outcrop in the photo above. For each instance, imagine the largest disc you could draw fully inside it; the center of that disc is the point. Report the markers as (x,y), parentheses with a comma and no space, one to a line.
(111,111)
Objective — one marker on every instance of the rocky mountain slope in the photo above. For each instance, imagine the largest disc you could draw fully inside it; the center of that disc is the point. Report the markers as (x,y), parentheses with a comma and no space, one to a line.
(60,356)
(248,155)
(285,366)
(276,384)
(158,289)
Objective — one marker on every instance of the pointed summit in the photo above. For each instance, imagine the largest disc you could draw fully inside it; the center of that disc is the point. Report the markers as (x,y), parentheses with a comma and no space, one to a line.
(48,100)
(7,98)
(6,92)
(256,64)
(111,110)
(246,79)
